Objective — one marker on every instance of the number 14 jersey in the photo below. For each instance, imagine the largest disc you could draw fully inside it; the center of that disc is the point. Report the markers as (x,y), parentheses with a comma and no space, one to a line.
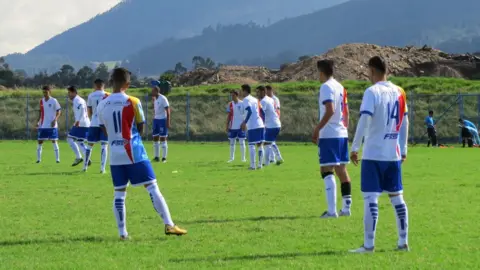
(120,114)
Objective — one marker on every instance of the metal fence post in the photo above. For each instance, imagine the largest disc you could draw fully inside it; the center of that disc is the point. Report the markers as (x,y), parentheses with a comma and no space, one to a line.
(460,112)
(187,128)
(27,116)
(412,117)
(146,117)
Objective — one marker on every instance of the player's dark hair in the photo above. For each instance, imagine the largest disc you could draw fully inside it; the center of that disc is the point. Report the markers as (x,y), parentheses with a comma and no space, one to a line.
(460,120)
(379,64)
(99,83)
(261,88)
(72,88)
(46,88)
(120,76)
(234,92)
(430,112)
(246,88)
(269,87)
(326,67)
(156,87)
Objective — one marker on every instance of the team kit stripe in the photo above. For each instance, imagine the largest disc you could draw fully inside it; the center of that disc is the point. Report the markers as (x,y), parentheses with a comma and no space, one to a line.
(127,120)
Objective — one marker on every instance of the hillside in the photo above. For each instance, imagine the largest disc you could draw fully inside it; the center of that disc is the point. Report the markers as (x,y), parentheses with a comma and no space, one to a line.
(135,24)
(439,23)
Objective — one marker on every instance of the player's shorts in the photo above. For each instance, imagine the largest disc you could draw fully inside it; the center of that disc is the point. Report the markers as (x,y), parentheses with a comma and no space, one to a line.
(236,133)
(47,134)
(160,128)
(137,174)
(95,135)
(256,135)
(431,132)
(271,134)
(333,151)
(466,133)
(381,176)
(78,133)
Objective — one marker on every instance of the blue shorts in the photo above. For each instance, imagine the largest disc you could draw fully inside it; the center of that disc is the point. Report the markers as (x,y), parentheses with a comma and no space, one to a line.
(236,133)
(256,135)
(137,174)
(160,128)
(333,151)
(95,135)
(381,176)
(271,134)
(47,134)
(78,133)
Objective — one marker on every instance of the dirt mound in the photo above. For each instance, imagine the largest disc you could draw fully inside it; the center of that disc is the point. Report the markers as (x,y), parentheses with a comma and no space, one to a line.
(350,64)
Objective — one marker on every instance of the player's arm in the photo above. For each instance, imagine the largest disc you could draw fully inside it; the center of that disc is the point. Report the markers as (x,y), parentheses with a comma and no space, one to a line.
(229,116)
(326,98)
(403,138)
(39,114)
(80,114)
(57,114)
(346,110)
(168,112)
(89,108)
(140,117)
(249,114)
(367,108)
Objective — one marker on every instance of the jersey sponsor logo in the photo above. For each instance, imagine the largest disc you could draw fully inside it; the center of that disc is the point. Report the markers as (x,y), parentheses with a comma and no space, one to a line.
(391,136)
(123,142)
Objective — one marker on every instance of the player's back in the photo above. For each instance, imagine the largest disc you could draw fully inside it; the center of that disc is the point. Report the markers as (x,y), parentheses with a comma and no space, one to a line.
(237,114)
(333,91)
(272,119)
(387,105)
(80,111)
(255,120)
(93,100)
(161,102)
(120,114)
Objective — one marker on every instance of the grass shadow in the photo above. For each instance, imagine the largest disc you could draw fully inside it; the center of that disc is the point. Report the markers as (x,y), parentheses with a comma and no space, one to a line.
(254,219)
(87,239)
(47,173)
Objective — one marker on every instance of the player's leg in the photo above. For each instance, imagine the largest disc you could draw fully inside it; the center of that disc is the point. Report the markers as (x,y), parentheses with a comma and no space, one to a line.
(232,138)
(261,138)
(156,140)
(252,137)
(276,149)
(371,174)
(272,156)
(103,156)
(342,173)
(429,134)
(393,185)
(81,138)
(163,140)
(71,139)
(327,160)
(269,139)
(434,138)
(120,183)
(39,150)
(241,141)
(56,148)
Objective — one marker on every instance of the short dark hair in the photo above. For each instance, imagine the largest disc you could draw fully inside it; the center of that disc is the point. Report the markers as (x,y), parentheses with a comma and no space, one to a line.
(119,77)
(378,63)
(430,112)
(99,82)
(325,66)
(234,92)
(261,88)
(46,88)
(269,87)
(460,120)
(72,88)
(246,88)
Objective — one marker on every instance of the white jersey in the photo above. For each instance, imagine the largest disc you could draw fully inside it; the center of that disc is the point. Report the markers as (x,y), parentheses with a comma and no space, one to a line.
(252,106)
(160,106)
(272,119)
(387,104)
(277,102)
(80,111)
(48,112)
(92,102)
(120,114)
(236,114)
(333,91)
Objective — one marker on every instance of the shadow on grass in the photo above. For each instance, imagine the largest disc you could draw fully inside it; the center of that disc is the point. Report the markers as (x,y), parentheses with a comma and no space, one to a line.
(262,218)
(47,173)
(259,256)
(86,239)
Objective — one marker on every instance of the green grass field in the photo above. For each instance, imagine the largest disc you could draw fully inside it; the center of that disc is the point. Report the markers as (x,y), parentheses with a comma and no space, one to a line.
(53,217)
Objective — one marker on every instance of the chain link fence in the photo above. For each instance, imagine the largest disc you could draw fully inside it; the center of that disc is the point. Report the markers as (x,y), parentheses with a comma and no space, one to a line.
(203,117)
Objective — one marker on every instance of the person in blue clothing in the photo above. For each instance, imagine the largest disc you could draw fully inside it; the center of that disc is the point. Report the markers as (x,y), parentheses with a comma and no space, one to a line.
(469,133)
(431,131)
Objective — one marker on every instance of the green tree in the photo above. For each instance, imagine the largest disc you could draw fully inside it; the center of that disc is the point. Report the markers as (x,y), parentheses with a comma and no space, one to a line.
(180,69)
(200,62)
(101,72)
(85,77)
(168,75)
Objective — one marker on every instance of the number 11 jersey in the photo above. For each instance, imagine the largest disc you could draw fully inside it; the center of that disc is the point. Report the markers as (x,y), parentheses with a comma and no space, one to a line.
(120,114)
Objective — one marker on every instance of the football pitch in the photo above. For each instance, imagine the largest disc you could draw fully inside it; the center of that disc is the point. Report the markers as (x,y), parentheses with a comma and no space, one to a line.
(54,217)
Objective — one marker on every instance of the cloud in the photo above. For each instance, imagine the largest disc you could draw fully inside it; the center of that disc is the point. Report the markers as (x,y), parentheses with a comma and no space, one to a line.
(26,23)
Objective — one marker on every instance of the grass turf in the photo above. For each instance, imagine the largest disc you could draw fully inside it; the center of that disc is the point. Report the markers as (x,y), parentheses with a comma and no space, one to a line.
(53,217)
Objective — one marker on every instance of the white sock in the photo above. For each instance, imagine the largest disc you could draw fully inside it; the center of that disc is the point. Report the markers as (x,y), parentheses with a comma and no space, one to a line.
(276,151)
(82,147)
(156,149)
(242,147)
(272,153)
(370,218)
(160,204)
(401,212)
(253,155)
(56,149)
(39,152)
(88,154)
(232,149)
(268,153)
(331,193)
(74,147)
(103,157)
(164,149)
(260,156)
(120,212)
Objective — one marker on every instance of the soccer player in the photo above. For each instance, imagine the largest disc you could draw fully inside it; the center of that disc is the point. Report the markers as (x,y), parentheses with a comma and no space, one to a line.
(161,123)
(383,125)
(47,126)
(95,134)
(469,133)
(121,117)
(276,152)
(272,123)
(331,136)
(254,123)
(432,133)
(235,119)
(78,133)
